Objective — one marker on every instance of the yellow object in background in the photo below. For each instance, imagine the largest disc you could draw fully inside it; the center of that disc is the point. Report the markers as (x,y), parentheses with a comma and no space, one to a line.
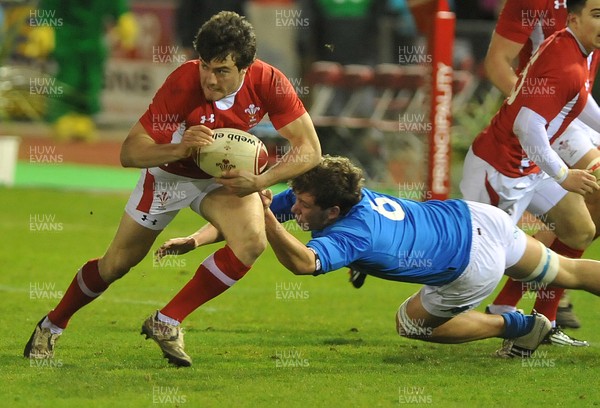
(127,29)
(40,42)
(74,126)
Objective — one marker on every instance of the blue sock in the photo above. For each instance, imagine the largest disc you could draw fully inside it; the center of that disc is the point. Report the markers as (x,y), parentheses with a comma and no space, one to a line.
(517,324)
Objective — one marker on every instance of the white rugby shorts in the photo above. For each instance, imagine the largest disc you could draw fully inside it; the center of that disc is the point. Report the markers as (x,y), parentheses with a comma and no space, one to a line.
(575,142)
(159,195)
(536,193)
(497,245)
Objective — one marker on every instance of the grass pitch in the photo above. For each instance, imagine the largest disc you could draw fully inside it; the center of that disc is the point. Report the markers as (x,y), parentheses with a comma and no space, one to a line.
(274,339)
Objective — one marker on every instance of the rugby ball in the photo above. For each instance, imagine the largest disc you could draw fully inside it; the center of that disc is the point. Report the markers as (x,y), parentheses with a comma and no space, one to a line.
(232,149)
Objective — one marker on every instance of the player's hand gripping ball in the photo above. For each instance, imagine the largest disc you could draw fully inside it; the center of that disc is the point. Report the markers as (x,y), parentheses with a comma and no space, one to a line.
(232,149)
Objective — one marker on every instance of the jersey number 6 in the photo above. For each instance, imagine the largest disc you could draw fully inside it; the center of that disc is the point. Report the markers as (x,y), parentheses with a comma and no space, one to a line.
(393,211)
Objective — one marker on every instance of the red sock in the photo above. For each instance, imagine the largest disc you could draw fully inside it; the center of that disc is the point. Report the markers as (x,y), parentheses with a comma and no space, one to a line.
(511,293)
(565,250)
(546,302)
(85,287)
(547,299)
(215,275)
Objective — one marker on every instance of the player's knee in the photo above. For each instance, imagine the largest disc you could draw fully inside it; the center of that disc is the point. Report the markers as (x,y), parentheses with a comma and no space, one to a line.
(411,328)
(401,326)
(578,236)
(112,270)
(250,248)
(255,248)
(587,235)
(546,270)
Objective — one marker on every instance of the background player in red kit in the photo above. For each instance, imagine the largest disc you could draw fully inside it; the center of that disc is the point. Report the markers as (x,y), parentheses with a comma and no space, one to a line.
(552,91)
(225,87)
(522,26)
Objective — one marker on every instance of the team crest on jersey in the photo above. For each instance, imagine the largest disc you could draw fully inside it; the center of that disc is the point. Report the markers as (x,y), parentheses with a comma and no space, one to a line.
(162,197)
(565,147)
(560,3)
(204,119)
(252,111)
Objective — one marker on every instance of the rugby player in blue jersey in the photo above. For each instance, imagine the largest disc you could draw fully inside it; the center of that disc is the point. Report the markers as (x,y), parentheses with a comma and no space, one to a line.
(458,249)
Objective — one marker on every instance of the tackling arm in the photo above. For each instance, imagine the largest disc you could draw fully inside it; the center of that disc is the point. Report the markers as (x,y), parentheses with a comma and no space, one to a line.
(290,252)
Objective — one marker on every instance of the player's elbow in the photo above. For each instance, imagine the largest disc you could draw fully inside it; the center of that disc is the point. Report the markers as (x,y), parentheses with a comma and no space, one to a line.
(492,67)
(125,160)
(520,129)
(527,125)
(126,156)
(311,150)
(498,70)
(295,271)
(313,157)
(488,67)
(301,269)
(316,156)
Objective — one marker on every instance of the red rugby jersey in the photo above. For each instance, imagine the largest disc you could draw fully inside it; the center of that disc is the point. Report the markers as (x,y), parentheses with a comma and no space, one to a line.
(555,84)
(530,22)
(180,103)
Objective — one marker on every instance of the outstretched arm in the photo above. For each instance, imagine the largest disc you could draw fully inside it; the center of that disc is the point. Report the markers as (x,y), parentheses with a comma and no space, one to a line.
(292,253)
(208,234)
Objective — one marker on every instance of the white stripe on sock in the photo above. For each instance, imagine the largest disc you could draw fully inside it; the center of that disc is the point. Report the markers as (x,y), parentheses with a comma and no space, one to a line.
(209,263)
(83,286)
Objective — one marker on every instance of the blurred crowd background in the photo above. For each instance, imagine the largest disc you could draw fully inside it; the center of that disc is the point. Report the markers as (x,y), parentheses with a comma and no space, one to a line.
(367,39)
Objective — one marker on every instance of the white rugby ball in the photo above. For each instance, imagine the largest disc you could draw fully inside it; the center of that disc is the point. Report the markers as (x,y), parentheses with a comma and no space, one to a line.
(232,149)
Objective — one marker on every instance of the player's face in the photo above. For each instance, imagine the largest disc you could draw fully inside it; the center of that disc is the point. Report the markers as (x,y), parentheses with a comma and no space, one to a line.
(586,25)
(220,78)
(309,215)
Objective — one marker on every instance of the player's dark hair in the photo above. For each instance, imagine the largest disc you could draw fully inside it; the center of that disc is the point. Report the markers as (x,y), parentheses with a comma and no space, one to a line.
(335,181)
(575,6)
(226,33)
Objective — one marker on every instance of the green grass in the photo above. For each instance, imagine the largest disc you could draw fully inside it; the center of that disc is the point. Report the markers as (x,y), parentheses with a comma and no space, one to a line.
(74,176)
(333,346)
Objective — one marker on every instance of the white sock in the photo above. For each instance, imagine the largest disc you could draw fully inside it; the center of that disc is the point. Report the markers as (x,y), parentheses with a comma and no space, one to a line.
(166,319)
(54,329)
(499,309)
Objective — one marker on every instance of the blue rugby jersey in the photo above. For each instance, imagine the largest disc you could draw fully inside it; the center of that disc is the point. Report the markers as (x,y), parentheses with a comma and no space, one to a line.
(393,238)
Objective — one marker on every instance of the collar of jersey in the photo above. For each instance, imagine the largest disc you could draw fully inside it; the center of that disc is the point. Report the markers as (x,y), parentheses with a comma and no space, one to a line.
(227,101)
(578,43)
